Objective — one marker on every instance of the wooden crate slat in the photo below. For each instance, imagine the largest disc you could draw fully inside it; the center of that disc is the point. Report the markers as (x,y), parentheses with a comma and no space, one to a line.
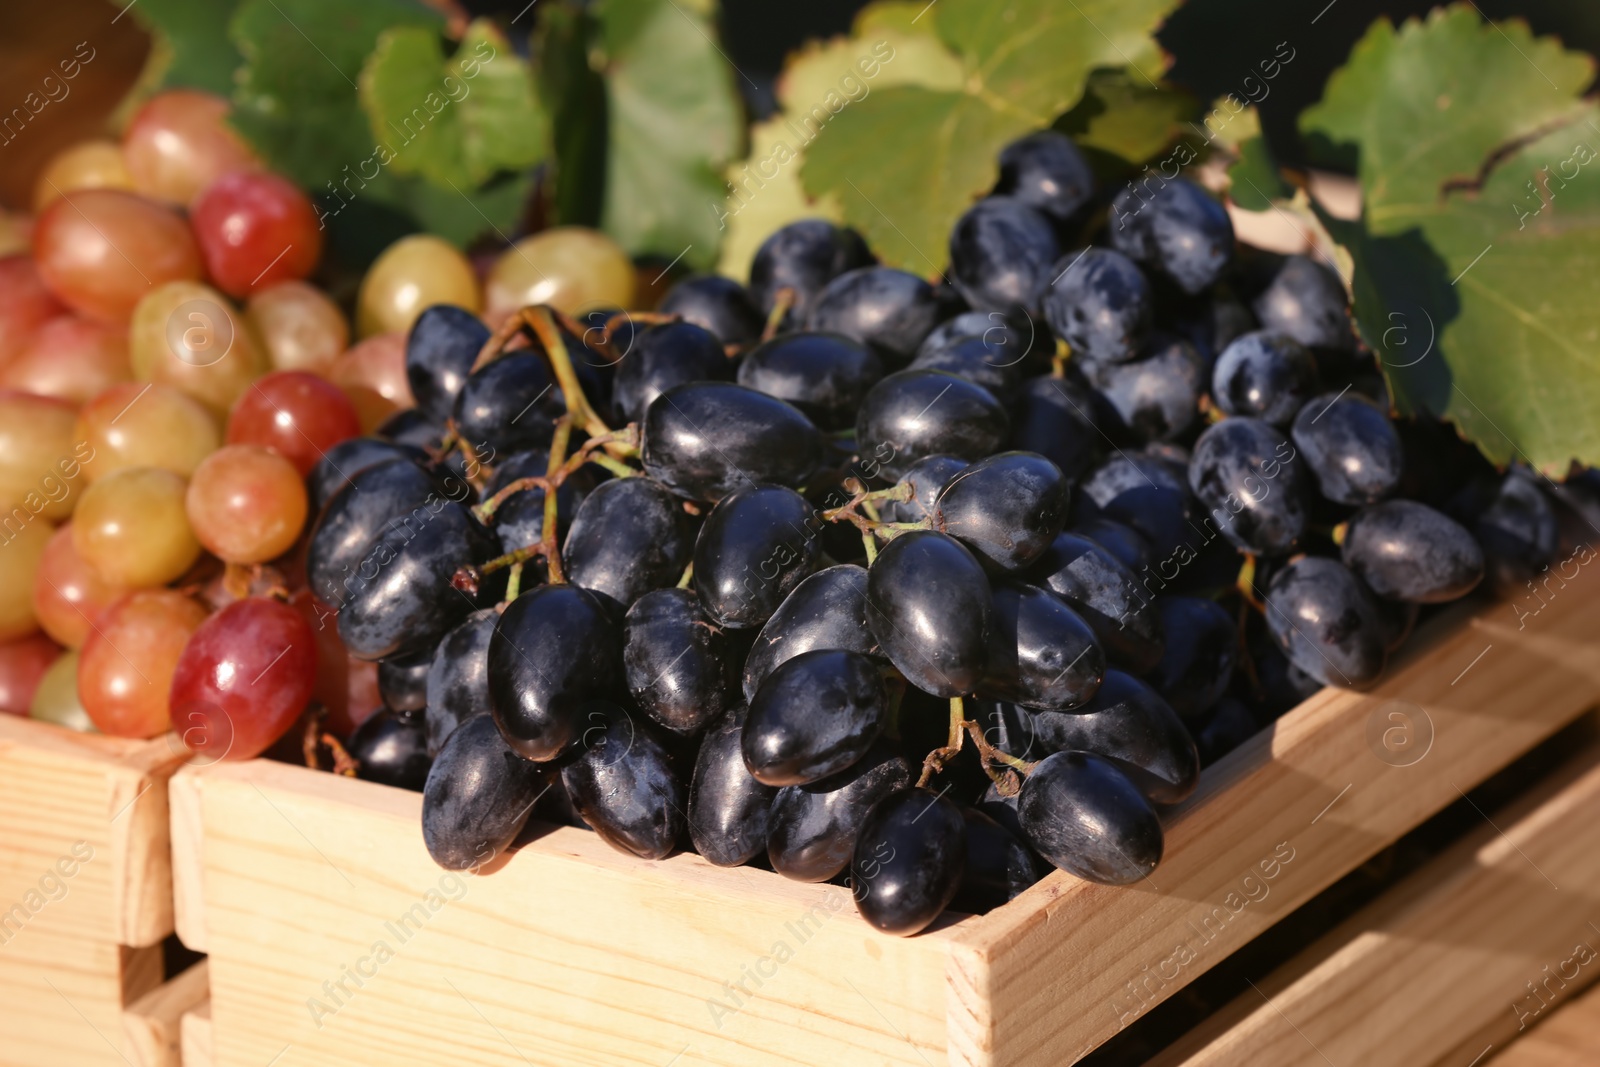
(62,997)
(1569,1037)
(152,1024)
(195,1040)
(1055,973)
(569,952)
(1436,970)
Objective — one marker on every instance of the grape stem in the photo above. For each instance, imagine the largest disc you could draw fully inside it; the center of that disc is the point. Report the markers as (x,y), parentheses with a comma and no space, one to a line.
(1246,583)
(960,728)
(688,576)
(627,438)
(869,524)
(514,581)
(558,457)
(781,304)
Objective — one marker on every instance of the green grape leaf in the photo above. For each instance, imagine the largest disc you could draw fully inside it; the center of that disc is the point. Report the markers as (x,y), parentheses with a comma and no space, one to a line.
(296,100)
(1255,181)
(191,47)
(576,96)
(906,161)
(1127,120)
(1478,252)
(673,122)
(459,121)
(767,196)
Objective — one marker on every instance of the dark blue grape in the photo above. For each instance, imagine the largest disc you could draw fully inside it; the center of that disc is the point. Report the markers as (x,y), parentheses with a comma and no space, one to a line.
(348,458)
(1128,723)
(729,811)
(1046,171)
(661,357)
(908,860)
(443,344)
(476,798)
(755,547)
(510,405)
(1157,396)
(1056,418)
(409,426)
(803,257)
(917,413)
(404,597)
(813,828)
(703,440)
(676,660)
(999,866)
(1409,551)
(1127,545)
(720,305)
(1176,228)
(1007,508)
(827,610)
(1307,301)
(926,477)
(825,375)
(519,520)
(1230,726)
(403,680)
(1104,594)
(1041,654)
(1201,651)
(391,747)
(1009,337)
(458,677)
(888,310)
(1080,812)
(353,519)
(1326,622)
(554,648)
(623,784)
(929,605)
(630,536)
(1518,532)
(1146,492)
(1350,447)
(1000,251)
(1249,477)
(1099,302)
(813,716)
(1265,375)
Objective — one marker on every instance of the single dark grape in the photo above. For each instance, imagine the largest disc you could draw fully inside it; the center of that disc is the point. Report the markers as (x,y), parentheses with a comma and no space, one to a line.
(929,605)
(999,867)
(676,660)
(355,516)
(554,648)
(1202,649)
(349,458)
(755,547)
(409,426)
(1127,545)
(1130,724)
(477,797)
(1046,171)
(510,405)
(1518,532)
(917,413)
(703,440)
(663,356)
(1307,301)
(803,257)
(979,362)
(1098,302)
(403,680)
(1010,337)
(1041,654)
(720,305)
(1326,622)
(926,477)
(1105,595)
(1265,375)
(1081,813)
(1056,418)
(729,810)
(1248,476)
(391,747)
(443,344)
(1409,551)
(813,716)
(1174,227)
(630,536)
(1155,397)
(1007,508)
(1350,448)
(827,610)
(1000,251)
(623,784)
(908,860)
(888,310)
(812,831)
(1229,726)
(458,677)
(404,596)
(825,375)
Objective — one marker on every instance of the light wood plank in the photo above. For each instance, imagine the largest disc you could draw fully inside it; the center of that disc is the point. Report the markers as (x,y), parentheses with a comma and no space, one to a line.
(62,997)
(152,1023)
(1569,1037)
(568,953)
(188,863)
(1058,971)
(196,1036)
(1439,968)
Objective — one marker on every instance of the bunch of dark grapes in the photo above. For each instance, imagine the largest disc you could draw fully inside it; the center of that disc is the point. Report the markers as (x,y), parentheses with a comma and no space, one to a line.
(918,587)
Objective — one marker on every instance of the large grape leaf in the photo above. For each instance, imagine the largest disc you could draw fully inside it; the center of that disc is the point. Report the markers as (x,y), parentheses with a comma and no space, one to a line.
(1124,121)
(458,121)
(1479,243)
(905,162)
(190,47)
(673,121)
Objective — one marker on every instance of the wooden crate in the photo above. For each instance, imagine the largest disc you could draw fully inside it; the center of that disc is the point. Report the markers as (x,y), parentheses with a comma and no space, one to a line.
(85,888)
(334,939)
(1457,962)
